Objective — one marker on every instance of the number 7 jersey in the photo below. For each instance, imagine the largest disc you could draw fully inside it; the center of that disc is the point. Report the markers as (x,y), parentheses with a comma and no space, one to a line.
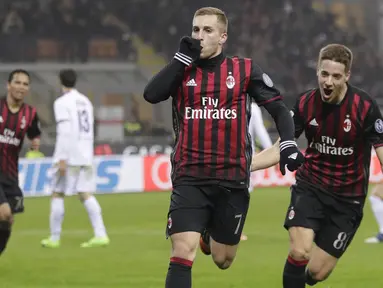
(75,133)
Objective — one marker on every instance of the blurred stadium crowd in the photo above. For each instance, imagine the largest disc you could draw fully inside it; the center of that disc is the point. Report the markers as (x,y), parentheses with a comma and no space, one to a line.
(64,30)
(282,36)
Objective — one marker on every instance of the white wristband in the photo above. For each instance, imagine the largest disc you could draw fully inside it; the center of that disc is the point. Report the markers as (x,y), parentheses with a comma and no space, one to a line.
(287,144)
(183,58)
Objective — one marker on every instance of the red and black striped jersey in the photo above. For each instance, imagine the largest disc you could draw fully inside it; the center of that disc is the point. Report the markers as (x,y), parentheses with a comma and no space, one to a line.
(13,128)
(211,113)
(340,138)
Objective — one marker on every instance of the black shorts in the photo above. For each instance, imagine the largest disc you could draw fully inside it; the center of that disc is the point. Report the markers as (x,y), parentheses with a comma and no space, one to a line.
(334,222)
(220,210)
(11,194)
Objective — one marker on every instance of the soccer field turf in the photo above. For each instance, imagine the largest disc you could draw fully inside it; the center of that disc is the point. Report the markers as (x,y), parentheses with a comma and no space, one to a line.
(138,255)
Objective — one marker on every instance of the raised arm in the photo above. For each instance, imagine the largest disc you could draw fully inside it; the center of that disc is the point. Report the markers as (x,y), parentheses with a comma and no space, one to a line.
(166,82)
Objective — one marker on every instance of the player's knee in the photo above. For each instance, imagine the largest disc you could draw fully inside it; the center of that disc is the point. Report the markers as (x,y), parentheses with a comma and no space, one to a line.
(5,213)
(299,253)
(317,275)
(223,255)
(58,195)
(184,248)
(223,261)
(83,196)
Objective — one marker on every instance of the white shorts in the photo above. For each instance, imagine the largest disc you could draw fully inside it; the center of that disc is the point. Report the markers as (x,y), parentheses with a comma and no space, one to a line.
(76,179)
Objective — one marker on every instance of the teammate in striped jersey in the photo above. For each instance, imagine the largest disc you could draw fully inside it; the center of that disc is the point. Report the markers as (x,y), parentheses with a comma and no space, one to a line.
(212,152)
(341,123)
(17,120)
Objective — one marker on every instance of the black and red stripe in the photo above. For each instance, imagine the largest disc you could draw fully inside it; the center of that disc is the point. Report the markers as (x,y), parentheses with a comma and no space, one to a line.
(213,148)
(345,175)
(17,124)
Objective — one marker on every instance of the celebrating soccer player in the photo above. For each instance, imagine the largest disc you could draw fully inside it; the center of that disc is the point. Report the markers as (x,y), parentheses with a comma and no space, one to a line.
(73,161)
(17,119)
(341,123)
(212,151)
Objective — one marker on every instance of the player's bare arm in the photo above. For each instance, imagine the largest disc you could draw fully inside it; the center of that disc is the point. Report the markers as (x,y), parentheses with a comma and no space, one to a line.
(166,82)
(378,191)
(266,158)
(379,153)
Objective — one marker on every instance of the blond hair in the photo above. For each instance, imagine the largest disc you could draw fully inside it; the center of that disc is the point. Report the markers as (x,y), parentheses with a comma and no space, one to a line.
(221,16)
(338,53)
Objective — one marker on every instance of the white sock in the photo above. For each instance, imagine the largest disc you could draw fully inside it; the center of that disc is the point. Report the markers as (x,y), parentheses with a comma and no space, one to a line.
(377,208)
(94,212)
(56,218)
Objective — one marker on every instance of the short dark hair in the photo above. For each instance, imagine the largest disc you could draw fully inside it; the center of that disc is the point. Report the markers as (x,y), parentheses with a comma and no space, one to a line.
(17,71)
(337,53)
(68,78)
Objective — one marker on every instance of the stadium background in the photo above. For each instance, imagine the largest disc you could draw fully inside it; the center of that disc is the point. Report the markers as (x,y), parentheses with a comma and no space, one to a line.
(116,46)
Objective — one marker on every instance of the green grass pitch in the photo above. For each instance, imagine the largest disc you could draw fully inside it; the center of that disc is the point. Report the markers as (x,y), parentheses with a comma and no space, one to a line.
(138,255)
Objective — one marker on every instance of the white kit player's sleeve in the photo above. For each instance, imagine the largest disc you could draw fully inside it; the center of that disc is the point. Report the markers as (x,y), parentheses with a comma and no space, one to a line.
(258,129)
(63,131)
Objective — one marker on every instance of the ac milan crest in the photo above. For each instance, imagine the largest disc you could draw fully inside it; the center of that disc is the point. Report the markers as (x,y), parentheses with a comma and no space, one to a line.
(379,126)
(291,214)
(170,222)
(347,124)
(230,81)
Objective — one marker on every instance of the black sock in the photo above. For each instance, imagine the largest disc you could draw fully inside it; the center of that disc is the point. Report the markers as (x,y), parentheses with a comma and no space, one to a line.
(309,279)
(179,273)
(4,237)
(294,273)
(206,237)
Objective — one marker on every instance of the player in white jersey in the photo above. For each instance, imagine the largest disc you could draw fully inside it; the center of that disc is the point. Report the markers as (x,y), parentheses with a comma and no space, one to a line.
(258,132)
(73,161)
(376,200)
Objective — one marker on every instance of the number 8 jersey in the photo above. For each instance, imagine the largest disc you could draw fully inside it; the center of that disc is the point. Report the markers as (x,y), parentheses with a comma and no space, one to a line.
(74,126)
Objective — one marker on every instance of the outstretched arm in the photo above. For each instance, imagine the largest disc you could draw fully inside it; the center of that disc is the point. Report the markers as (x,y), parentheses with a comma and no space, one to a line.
(266,158)
(261,88)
